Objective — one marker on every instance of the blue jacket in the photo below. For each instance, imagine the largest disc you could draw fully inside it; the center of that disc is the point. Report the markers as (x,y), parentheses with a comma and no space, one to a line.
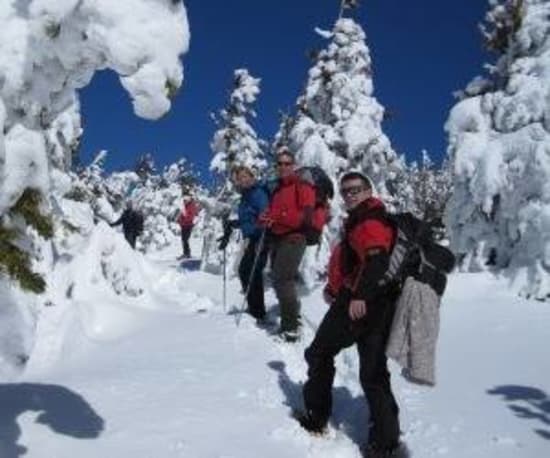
(254,201)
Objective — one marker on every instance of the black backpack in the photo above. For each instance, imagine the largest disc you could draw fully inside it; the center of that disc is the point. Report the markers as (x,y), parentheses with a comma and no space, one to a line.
(317,177)
(415,253)
(324,191)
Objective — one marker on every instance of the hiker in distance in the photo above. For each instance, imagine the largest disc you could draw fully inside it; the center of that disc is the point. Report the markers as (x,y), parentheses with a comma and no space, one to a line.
(359,312)
(289,213)
(132,223)
(254,200)
(186,220)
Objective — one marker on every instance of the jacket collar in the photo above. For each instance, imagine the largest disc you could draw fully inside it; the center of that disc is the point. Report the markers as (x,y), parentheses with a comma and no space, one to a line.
(289,179)
(370,207)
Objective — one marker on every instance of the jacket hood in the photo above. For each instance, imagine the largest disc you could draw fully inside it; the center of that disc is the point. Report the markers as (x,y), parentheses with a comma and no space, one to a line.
(372,203)
(365,208)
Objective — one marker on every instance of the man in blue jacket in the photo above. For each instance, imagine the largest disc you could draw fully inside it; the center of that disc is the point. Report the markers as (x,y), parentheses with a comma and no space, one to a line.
(254,200)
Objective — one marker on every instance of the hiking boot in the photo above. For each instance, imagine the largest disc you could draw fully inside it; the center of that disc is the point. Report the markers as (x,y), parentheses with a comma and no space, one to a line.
(374,451)
(290,336)
(311,422)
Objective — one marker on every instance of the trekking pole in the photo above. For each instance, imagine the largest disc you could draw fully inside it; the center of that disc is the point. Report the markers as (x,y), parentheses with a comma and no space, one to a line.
(224,280)
(259,249)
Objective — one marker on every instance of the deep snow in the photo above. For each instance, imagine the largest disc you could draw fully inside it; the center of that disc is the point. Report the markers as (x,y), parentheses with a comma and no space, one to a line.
(180,379)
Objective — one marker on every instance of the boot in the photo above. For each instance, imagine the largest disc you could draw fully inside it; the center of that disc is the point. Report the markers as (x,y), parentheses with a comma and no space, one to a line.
(374,451)
(310,422)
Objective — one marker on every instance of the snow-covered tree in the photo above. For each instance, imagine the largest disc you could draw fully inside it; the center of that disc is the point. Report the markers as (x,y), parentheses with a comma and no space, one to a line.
(236,142)
(89,184)
(145,166)
(159,198)
(338,124)
(48,50)
(430,188)
(499,143)
(339,121)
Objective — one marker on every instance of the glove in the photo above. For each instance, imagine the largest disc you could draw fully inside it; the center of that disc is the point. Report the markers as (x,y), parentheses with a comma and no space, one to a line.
(266,220)
(222,242)
(224,239)
(229,225)
(328,296)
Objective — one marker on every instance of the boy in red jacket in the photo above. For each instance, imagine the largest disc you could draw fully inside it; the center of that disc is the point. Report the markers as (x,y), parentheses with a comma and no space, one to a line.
(186,220)
(288,216)
(360,313)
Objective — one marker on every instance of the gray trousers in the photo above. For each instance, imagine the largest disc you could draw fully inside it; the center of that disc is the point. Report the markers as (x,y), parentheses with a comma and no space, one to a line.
(287,253)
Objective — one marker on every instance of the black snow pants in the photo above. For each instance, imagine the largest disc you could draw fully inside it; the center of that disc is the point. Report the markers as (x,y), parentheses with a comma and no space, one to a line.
(255,298)
(336,332)
(185,235)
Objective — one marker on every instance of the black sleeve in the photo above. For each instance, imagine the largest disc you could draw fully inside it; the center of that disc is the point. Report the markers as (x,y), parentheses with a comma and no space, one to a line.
(371,272)
(308,217)
(118,221)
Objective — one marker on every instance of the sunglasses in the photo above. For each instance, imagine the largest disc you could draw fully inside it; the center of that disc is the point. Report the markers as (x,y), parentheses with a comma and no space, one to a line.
(284,163)
(352,191)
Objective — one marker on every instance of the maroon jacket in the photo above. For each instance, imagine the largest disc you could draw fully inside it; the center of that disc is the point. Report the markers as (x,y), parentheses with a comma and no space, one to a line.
(188,213)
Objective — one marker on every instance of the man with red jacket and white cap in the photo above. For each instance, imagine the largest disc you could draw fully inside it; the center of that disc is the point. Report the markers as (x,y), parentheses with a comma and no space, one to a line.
(186,220)
(360,312)
(288,216)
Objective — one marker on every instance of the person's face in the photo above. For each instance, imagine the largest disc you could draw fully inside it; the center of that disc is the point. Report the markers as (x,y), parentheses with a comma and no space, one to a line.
(285,165)
(243,179)
(354,191)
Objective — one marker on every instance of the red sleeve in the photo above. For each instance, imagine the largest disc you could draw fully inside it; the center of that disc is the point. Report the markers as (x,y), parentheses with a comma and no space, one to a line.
(371,234)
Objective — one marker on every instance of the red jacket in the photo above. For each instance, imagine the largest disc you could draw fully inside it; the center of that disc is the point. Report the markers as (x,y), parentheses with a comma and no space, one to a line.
(288,203)
(361,236)
(188,213)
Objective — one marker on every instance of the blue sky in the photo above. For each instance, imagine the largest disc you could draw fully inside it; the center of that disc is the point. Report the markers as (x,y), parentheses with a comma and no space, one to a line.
(423,51)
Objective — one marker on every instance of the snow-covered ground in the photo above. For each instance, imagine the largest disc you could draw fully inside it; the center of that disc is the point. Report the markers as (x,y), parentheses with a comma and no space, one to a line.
(181,379)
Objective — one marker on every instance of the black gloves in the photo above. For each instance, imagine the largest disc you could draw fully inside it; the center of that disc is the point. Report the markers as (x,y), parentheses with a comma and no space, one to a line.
(228,226)
(223,240)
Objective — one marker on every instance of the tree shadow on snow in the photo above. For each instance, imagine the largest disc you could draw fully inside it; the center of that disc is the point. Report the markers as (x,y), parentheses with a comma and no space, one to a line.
(349,415)
(527,402)
(62,410)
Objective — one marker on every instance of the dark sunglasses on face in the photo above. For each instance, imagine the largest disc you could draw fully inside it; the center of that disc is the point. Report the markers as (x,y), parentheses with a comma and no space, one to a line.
(284,163)
(352,191)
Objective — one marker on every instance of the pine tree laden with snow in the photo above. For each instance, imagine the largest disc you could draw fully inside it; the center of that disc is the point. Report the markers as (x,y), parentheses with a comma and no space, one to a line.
(499,143)
(339,121)
(338,124)
(430,188)
(234,143)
